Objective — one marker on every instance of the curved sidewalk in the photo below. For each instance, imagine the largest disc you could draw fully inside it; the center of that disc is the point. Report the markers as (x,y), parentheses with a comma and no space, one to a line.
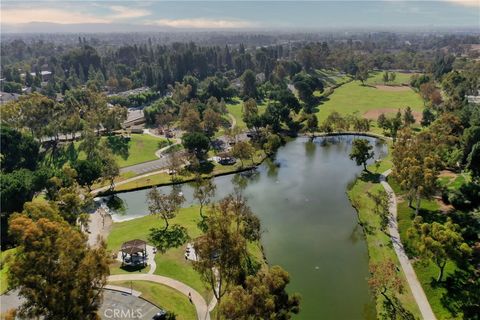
(201,306)
(407,267)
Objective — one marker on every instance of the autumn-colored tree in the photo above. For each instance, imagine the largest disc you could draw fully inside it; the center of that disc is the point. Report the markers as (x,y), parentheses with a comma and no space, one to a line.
(385,280)
(55,271)
(263,296)
(416,165)
(361,152)
(211,122)
(190,119)
(439,242)
(164,205)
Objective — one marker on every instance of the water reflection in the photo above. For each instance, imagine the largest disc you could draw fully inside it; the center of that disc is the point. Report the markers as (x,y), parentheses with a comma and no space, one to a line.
(310,227)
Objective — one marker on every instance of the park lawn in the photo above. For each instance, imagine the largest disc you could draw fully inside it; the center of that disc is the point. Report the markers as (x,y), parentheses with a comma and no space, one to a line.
(353,98)
(378,243)
(376,78)
(171,263)
(4,257)
(164,297)
(235,109)
(426,271)
(141,148)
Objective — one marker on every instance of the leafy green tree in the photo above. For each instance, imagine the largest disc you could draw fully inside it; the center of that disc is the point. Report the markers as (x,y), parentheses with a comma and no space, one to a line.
(408,118)
(381,207)
(439,242)
(56,273)
(19,186)
(263,296)
(203,192)
(312,123)
(427,117)
(109,168)
(88,171)
(221,251)
(361,152)
(17,150)
(196,143)
(473,161)
(164,205)
(249,84)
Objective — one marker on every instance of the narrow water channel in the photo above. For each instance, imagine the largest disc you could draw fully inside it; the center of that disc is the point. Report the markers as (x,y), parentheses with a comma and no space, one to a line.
(310,227)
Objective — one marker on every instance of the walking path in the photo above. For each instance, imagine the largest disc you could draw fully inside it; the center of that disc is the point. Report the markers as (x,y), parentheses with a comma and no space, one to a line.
(129,180)
(407,267)
(203,310)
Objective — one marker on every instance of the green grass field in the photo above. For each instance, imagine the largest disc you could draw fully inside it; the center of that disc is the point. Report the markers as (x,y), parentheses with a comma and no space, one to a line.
(376,78)
(235,109)
(164,297)
(141,148)
(353,98)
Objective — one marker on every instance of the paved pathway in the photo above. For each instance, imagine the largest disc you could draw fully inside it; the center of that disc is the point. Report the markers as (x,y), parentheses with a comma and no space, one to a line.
(407,267)
(199,302)
(129,180)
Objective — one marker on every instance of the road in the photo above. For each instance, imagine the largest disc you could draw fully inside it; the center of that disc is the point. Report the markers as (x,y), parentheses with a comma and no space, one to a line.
(415,286)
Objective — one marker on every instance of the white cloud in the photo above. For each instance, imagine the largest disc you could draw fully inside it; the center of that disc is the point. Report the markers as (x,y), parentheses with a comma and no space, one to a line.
(203,23)
(466,3)
(121,12)
(61,16)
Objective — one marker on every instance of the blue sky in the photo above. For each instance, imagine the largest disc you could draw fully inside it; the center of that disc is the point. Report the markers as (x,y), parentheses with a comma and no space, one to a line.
(259,15)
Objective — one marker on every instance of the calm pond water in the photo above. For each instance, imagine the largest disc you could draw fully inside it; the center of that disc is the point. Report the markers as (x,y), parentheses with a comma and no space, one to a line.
(310,227)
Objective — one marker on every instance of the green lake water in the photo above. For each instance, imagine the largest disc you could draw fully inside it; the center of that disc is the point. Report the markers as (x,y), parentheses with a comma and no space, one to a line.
(309,225)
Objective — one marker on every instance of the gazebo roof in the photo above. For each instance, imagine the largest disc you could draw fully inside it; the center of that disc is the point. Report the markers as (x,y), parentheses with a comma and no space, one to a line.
(134,246)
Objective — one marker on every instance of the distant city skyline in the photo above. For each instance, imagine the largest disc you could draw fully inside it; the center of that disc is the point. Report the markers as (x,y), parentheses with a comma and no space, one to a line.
(25,16)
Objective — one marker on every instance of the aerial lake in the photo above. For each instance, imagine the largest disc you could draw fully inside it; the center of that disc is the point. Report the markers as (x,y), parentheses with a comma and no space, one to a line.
(309,225)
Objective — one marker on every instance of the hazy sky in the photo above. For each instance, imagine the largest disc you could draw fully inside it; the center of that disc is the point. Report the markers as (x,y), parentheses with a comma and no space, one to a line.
(259,15)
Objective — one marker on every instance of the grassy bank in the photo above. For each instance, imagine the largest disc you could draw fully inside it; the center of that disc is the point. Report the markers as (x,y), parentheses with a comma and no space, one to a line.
(140,148)
(164,297)
(379,243)
(164,178)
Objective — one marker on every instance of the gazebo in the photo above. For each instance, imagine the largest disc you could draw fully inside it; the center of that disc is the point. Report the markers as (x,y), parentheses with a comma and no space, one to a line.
(134,252)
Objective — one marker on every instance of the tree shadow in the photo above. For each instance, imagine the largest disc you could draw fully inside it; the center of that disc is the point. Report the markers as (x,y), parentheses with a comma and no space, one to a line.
(368,176)
(133,268)
(63,154)
(462,295)
(393,309)
(118,145)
